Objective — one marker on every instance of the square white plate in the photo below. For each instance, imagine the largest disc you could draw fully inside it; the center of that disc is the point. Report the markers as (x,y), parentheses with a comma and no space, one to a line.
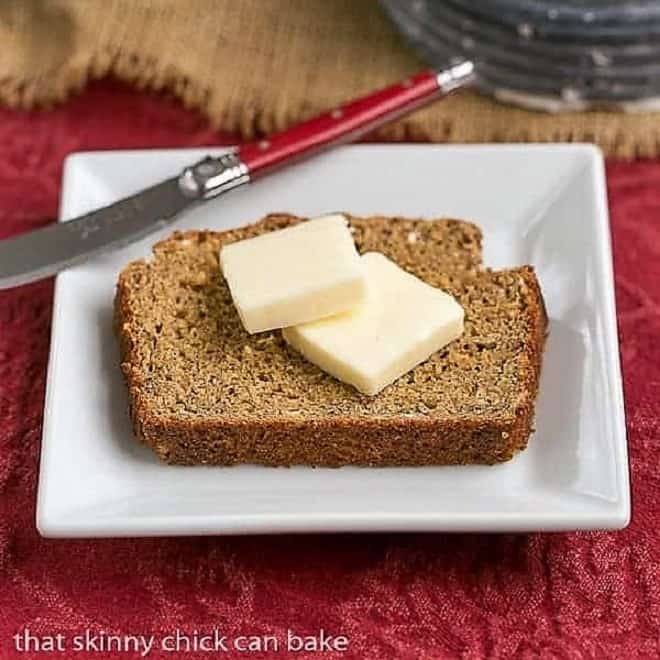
(544,205)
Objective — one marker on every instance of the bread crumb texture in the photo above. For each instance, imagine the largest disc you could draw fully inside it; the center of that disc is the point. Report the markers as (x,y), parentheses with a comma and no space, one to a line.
(202,390)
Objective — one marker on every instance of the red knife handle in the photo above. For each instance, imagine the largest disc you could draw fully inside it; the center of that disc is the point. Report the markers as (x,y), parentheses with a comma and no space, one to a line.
(352,120)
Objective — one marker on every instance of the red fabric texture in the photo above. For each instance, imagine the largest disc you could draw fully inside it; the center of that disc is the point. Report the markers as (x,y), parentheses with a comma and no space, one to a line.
(578,595)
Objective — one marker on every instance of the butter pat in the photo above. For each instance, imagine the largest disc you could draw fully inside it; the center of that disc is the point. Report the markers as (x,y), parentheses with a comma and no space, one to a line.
(402,322)
(294,275)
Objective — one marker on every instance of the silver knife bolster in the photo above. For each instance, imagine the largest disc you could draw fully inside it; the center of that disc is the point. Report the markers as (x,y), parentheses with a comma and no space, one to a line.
(212,176)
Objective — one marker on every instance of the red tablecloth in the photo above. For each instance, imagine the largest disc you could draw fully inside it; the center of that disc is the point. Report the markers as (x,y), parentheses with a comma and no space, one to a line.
(582,595)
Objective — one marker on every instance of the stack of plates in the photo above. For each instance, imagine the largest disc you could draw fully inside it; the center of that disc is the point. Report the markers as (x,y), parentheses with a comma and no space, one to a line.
(552,55)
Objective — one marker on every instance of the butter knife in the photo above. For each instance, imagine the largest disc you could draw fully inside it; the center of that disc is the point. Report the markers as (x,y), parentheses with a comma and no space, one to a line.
(44,252)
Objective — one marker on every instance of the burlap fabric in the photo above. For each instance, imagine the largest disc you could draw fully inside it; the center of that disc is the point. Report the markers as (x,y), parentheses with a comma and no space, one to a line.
(254,66)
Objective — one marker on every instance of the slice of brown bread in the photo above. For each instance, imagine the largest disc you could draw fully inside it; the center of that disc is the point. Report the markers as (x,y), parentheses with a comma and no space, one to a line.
(204,391)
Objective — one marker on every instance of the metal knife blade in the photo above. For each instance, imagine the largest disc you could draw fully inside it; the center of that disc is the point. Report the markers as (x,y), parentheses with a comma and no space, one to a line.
(46,251)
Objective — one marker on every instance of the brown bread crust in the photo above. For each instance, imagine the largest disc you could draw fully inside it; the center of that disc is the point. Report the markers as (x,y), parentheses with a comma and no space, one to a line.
(366,435)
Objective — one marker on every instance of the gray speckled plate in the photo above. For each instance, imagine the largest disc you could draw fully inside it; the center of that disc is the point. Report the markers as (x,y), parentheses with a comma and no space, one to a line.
(552,55)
